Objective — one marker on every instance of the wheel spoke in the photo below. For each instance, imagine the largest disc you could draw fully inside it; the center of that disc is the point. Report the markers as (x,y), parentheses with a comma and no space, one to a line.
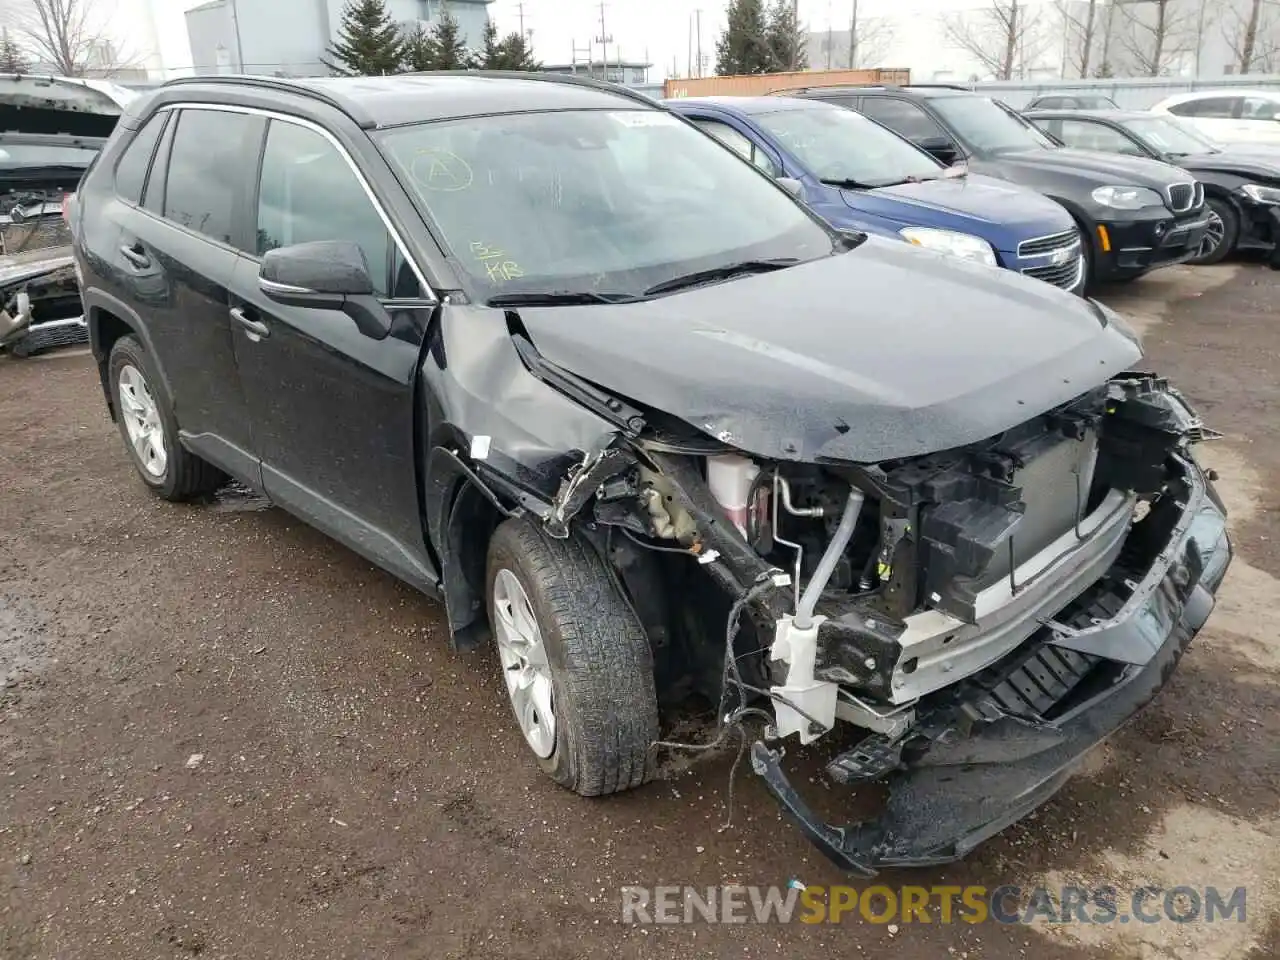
(540,695)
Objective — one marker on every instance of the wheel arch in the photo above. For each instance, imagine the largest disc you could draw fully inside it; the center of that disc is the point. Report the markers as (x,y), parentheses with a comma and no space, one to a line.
(110,319)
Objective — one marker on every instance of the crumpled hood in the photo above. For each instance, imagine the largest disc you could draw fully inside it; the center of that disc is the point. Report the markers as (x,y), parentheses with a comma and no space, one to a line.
(1107,168)
(19,268)
(886,351)
(1264,164)
(973,197)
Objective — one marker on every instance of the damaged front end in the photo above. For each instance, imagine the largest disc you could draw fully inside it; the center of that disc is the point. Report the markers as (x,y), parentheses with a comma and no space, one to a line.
(40,302)
(986,615)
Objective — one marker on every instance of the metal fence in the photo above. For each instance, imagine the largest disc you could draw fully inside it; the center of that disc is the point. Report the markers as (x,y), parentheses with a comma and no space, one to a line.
(1130,93)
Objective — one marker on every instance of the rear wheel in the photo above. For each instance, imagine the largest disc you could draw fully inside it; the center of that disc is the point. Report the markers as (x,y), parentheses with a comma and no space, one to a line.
(576,661)
(149,429)
(1222,233)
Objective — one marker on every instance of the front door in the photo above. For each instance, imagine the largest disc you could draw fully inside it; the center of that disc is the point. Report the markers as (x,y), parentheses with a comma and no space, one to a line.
(333,409)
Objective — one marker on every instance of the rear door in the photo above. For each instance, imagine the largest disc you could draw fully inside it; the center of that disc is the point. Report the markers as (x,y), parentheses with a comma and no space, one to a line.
(333,409)
(175,255)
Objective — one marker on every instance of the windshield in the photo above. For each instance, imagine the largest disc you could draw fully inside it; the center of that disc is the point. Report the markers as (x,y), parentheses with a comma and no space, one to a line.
(838,144)
(988,127)
(598,201)
(1169,137)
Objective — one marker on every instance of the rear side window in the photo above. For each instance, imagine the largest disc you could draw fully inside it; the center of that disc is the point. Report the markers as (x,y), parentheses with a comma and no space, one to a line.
(131,171)
(308,192)
(208,161)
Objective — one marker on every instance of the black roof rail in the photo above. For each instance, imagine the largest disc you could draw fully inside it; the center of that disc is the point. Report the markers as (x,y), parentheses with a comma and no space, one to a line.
(939,86)
(836,87)
(352,108)
(281,84)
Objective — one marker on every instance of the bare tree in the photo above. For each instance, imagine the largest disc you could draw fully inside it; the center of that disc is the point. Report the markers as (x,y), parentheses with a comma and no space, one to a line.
(1003,37)
(869,39)
(1253,35)
(71,35)
(1158,33)
(1080,25)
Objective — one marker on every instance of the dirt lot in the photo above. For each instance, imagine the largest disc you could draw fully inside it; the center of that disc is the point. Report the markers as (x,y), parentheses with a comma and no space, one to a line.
(362,792)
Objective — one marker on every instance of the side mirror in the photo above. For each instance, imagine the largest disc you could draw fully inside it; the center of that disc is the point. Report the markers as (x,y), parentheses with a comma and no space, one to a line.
(942,149)
(325,275)
(792,186)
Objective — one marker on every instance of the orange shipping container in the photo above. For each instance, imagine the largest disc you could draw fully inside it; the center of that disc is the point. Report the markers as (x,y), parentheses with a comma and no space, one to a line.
(760,84)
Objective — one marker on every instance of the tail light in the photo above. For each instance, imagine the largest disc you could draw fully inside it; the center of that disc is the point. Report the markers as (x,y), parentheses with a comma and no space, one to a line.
(66,207)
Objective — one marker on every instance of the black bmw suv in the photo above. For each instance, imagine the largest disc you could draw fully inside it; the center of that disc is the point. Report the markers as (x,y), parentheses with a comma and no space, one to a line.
(642,421)
(1136,214)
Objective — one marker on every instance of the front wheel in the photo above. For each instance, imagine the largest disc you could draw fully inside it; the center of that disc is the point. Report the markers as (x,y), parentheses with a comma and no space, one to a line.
(1221,234)
(575,659)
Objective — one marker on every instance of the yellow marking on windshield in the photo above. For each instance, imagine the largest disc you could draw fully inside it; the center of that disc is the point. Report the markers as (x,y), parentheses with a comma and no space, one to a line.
(440,171)
(496,265)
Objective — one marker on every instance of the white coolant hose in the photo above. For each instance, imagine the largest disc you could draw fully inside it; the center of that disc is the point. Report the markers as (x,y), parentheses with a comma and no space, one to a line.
(827,565)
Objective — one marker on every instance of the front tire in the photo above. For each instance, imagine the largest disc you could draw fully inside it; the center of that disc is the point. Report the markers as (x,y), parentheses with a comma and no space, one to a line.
(1220,238)
(149,429)
(576,660)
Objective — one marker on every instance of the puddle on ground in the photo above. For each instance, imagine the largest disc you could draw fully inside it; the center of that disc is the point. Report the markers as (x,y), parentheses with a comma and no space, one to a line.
(24,651)
(235,497)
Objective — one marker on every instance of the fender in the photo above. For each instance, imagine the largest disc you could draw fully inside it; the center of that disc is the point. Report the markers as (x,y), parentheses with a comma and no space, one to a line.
(97,301)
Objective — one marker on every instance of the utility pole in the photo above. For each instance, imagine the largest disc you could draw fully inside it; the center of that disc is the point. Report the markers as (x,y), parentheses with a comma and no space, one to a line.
(689,60)
(830,25)
(520,11)
(698,17)
(604,40)
(853,37)
(795,37)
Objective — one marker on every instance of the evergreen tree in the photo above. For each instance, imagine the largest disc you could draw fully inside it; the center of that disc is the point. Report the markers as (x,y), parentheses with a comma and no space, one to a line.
(786,37)
(369,43)
(448,46)
(11,58)
(419,51)
(743,47)
(514,54)
(490,48)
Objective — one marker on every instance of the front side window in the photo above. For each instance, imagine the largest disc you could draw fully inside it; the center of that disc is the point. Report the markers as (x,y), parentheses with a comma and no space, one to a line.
(308,192)
(131,171)
(903,117)
(602,201)
(1213,108)
(1087,135)
(207,161)
(840,145)
(988,126)
(1260,108)
(740,144)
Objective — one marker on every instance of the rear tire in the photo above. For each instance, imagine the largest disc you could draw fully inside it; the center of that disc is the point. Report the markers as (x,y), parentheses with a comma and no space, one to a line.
(150,431)
(1224,231)
(603,713)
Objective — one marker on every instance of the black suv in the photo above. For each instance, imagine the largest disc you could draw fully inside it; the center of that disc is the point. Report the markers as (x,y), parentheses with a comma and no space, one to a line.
(1136,214)
(547,351)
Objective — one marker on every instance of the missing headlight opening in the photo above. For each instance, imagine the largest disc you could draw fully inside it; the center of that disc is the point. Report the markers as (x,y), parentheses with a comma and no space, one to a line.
(987,606)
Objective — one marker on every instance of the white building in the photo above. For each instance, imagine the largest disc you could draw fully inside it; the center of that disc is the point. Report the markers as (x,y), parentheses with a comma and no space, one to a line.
(289,37)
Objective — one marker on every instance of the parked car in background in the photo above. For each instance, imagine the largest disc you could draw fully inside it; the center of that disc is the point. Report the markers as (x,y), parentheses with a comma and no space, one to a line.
(1241,187)
(51,129)
(653,428)
(853,170)
(1137,214)
(1229,115)
(1072,101)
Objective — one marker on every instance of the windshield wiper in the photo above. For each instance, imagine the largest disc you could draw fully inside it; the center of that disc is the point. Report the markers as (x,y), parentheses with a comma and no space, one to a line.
(727,272)
(847,184)
(557,298)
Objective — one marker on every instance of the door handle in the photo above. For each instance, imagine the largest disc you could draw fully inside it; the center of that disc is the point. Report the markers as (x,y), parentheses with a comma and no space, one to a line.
(134,253)
(255,330)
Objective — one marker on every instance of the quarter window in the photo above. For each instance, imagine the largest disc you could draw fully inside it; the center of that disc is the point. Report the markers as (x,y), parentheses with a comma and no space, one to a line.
(308,192)
(207,160)
(1086,135)
(131,171)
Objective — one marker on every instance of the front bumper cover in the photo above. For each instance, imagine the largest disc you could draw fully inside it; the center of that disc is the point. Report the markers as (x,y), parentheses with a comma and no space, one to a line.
(965,792)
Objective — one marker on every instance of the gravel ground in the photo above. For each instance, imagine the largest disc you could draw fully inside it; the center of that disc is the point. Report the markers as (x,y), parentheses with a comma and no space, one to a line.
(223,735)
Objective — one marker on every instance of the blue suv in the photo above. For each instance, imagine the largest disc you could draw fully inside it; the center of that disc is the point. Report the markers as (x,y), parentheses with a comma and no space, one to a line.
(856,173)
